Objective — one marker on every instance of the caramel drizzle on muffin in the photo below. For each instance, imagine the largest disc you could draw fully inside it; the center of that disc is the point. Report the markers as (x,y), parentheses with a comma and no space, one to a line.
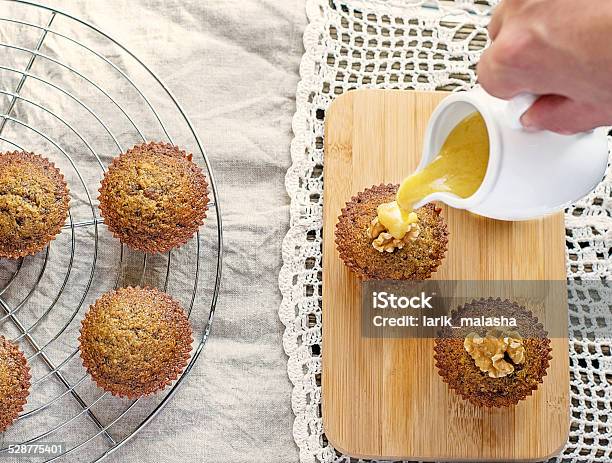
(414,260)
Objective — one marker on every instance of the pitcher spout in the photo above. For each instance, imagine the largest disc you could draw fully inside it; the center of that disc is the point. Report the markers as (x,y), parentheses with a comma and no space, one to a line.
(446,198)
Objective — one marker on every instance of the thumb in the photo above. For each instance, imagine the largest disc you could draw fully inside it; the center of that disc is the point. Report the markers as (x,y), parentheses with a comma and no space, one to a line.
(562,115)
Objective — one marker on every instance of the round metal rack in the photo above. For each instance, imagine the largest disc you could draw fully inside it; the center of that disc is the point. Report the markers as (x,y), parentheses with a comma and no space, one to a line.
(74,94)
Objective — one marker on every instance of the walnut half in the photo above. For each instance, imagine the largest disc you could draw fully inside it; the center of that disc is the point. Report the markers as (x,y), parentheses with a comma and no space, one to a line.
(384,241)
(497,352)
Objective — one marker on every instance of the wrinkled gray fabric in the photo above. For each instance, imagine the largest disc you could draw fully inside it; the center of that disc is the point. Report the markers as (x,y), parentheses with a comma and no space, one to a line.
(233,65)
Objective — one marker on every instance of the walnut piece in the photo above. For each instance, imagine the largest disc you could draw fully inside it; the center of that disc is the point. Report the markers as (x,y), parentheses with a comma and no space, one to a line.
(375,228)
(497,352)
(385,242)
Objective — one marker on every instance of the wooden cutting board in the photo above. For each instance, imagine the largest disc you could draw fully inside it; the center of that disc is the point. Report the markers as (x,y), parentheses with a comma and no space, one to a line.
(383,397)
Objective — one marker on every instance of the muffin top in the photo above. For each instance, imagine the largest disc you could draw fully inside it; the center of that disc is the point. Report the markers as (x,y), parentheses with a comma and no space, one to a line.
(153,197)
(14,382)
(135,341)
(34,202)
(416,260)
(460,371)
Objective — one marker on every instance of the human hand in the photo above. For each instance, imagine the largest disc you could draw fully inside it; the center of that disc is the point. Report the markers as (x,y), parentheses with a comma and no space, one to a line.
(560,49)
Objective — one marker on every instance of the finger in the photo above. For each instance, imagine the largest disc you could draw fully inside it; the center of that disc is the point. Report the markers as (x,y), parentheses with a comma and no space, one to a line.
(562,115)
(498,79)
(497,19)
(511,65)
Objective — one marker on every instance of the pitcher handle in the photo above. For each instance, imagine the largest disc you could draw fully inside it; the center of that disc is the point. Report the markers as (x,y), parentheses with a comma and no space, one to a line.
(517,106)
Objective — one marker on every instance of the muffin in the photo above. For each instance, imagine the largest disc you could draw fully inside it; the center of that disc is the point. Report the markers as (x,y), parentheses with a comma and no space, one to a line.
(34,202)
(416,258)
(493,367)
(153,197)
(135,341)
(14,383)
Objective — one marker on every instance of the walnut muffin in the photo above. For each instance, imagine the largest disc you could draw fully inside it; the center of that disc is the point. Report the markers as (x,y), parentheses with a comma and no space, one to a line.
(153,197)
(493,367)
(14,383)
(34,203)
(135,341)
(417,259)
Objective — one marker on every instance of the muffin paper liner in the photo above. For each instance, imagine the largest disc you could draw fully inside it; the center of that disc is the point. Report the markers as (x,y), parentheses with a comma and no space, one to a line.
(513,395)
(198,200)
(144,384)
(12,405)
(19,250)
(347,233)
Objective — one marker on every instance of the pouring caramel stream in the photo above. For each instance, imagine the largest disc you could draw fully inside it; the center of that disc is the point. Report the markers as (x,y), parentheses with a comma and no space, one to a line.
(459,168)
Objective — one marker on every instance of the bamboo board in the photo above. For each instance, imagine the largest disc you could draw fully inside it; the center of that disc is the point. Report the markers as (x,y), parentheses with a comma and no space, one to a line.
(383,397)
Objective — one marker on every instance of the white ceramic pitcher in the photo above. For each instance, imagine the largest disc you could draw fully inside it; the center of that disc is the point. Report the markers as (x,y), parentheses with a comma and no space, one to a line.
(530,174)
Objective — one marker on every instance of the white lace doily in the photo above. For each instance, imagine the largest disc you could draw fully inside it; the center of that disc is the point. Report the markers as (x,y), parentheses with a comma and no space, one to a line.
(413,45)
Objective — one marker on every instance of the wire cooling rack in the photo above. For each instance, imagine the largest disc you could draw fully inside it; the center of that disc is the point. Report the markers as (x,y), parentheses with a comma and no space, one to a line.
(74,94)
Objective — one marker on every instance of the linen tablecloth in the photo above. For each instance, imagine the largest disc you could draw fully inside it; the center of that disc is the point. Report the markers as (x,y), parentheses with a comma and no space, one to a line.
(233,65)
